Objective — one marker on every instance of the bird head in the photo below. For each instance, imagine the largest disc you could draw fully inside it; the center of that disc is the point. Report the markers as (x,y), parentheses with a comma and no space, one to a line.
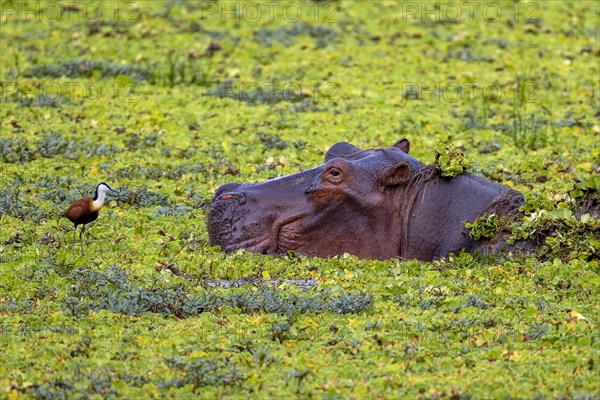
(103,188)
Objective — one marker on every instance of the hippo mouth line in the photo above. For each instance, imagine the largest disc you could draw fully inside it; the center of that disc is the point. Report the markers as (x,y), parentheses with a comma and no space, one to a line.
(271,242)
(262,247)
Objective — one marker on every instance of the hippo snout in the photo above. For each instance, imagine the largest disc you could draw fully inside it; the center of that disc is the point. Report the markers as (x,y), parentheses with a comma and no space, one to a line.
(252,215)
(233,221)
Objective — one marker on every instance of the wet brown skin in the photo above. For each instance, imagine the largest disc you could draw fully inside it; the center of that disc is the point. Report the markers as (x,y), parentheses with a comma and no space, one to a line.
(376,204)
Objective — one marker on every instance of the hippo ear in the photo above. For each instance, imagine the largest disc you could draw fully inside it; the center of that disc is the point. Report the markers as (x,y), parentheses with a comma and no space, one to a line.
(395,175)
(403,144)
(341,149)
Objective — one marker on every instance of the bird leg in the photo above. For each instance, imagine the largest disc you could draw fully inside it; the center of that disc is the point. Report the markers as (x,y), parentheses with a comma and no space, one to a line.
(74,233)
(81,237)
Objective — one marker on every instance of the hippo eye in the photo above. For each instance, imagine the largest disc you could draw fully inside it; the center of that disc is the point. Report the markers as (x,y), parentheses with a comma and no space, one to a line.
(334,175)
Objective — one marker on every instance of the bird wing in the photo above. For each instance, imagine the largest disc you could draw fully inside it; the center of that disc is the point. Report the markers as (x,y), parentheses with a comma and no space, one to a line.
(78,208)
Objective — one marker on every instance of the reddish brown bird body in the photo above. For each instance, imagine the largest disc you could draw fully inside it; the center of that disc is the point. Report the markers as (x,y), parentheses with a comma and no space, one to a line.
(82,212)
(86,210)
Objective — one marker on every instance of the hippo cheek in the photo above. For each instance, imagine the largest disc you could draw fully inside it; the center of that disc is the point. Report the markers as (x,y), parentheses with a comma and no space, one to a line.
(300,233)
(290,237)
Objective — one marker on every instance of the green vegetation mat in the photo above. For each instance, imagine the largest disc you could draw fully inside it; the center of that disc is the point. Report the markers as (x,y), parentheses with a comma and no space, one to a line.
(166,101)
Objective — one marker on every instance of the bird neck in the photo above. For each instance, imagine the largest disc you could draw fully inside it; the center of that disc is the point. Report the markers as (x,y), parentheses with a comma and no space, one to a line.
(98,201)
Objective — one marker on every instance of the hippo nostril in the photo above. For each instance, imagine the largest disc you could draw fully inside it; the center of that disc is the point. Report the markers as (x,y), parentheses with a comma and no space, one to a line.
(240,197)
(228,187)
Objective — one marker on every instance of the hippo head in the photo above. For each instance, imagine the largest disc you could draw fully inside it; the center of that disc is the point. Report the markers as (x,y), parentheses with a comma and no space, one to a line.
(347,205)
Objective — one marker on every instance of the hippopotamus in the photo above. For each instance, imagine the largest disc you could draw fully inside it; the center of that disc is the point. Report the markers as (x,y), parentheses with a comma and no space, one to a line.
(374,204)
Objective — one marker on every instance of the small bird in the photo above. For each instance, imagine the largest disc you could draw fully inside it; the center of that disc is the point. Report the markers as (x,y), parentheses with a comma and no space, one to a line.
(84,211)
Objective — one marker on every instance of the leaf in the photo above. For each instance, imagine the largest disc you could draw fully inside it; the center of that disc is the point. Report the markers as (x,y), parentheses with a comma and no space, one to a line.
(449,161)
(576,316)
